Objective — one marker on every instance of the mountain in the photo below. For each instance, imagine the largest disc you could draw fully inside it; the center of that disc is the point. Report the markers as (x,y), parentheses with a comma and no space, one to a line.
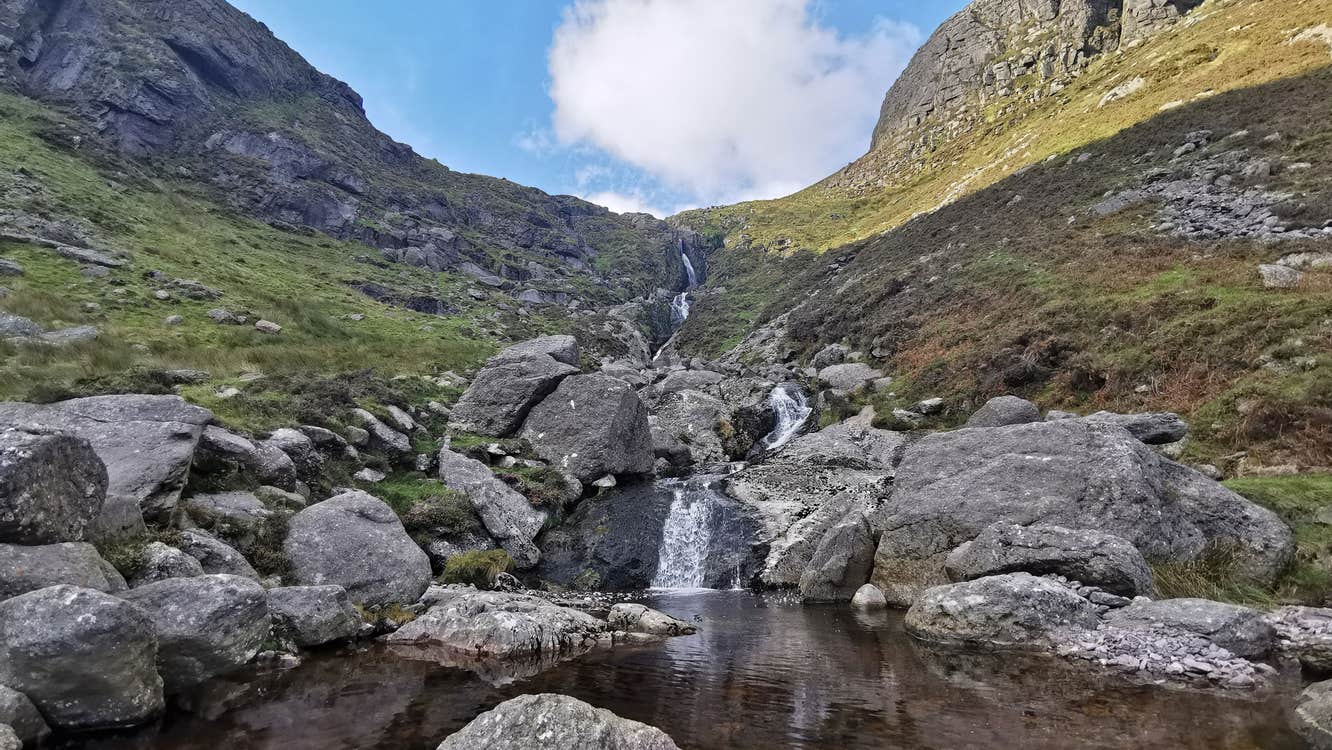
(1096,204)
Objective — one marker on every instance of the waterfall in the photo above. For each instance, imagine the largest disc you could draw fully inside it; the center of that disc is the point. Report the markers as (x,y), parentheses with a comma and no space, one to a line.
(680,303)
(792,411)
(686,538)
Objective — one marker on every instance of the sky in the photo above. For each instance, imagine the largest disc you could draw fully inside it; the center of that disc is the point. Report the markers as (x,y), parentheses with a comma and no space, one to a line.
(638,105)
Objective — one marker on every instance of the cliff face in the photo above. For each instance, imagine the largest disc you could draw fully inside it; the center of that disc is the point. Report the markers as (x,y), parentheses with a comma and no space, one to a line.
(207,93)
(990,51)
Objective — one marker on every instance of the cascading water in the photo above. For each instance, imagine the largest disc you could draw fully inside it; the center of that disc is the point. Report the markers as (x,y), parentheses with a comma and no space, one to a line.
(680,303)
(792,411)
(682,563)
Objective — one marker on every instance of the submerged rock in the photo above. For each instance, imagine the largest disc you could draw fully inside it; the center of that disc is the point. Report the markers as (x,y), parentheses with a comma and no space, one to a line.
(491,624)
(28,568)
(869,597)
(52,486)
(636,618)
(555,721)
(86,659)
(1241,630)
(1016,610)
(1092,557)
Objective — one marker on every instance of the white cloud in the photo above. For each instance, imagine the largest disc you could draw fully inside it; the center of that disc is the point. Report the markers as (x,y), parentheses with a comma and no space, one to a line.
(625,203)
(743,98)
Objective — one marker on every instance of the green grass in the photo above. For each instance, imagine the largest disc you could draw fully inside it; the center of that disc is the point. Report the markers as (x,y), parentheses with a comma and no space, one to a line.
(479,567)
(1305,503)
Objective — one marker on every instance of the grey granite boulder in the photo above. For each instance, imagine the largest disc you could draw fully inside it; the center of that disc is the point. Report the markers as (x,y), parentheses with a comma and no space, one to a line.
(28,568)
(214,555)
(1016,610)
(355,541)
(206,626)
(52,486)
(1151,428)
(17,712)
(591,426)
(466,622)
(849,377)
(1005,410)
(1091,557)
(160,562)
(1241,630)
(511,383)
(231,457)
(869,597)
(561,348)
(1305,634)
(383,438)
(851,444)
(637,618)
(507,515)
(841,563)
(554,721)
(305,457)
(86,659)
(1313,715)
(233,514)
(313,615)
(9,739)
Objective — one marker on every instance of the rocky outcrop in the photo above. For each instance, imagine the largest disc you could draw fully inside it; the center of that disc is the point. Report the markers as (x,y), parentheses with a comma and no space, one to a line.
(86,659)
(309,616)
(28,568)
(355,541)
(548,720)
(214,555)
(1070,473)
(1016,610)
(206,626)
(591,426)
(146,443)
(511,383)
(1313,715)
(1153,429)
(508,516)
(18,713)
(1240,630)
(1005,410)
(52,486)
(636,618)
(1091,557)
(492,624)
(1304,634)
(160,561)
(842,562)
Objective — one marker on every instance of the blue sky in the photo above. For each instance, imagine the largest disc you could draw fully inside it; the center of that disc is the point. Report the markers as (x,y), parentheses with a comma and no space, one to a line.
(636,104)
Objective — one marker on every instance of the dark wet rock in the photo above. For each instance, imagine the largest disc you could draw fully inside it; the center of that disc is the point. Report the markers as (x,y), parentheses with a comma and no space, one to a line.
(355,541)
(26,568)
(636,618)
(496,624)
(548,720)
(146,443)
(86,659)
(1092,557)
(214,555)
(1313,715)
(506,514)
(1069,473)
(206,626)
(512,382)
(313,615)
(1005,410)
(161,561)
(591,426)
(608,543)
(52,486)
(1241,630)
(1153,429)
(1016,610)
(841,563)
(18,713)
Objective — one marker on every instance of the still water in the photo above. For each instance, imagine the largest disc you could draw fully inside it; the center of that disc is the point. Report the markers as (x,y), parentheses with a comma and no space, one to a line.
(762,673)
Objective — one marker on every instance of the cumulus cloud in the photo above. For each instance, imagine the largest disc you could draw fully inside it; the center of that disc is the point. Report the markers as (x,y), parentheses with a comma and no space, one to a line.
(726,100)
(625,203)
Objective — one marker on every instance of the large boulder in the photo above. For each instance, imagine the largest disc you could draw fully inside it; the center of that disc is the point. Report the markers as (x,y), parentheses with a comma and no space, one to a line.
(355,541)
(86,659)
(1241,630)
(1305,634)
(637,618)
(28,568)
(591,426)
(228,457)
(1313,715)
(146,443)
(159,562)
(1151,428)
(301,450)
(17,712)
(236,515)
(1092,557)
(849,377)
(841,563)
(851,444)
(214,555)
(511,383)
(52,486)
(869,597)
(206,626)
(690,419)
(1005,410)
(383,438)
(555,721)
(1075,474)
(1016,610)
(507,514)
(313,615)
(466,622)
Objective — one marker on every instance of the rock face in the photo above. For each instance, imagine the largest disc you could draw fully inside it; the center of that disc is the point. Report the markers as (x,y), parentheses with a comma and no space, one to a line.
(1313,715)
(1091,557)
(1017,610)
(1153,429)
(206,626)
(28,568)
(1240,630)
(85,659)
(1070,473)
(506,514)
(591,426)
(313,615)
(52,487)
(636,618)
(467,622)
(512,382)
(1005,410)
(146,443)
(555,721)
(841,563)
(357,542)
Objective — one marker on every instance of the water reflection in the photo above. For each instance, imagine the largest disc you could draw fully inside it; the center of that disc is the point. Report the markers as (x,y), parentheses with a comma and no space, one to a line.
(761,674)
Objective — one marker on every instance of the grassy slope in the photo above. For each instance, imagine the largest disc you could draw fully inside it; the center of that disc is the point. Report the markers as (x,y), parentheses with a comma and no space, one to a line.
(1225,46)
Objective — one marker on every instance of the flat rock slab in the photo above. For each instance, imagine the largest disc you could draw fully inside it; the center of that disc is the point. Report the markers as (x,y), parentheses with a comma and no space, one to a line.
(1240,630)
(1091,557)
(1017,610)
(555,721)
(499,625)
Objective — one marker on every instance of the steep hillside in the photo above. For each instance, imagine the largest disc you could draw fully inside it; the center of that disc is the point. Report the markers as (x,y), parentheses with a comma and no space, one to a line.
(1088,256)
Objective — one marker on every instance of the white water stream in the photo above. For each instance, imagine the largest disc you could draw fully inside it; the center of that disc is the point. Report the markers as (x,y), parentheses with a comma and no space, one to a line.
(792,411)
(680,303)
(682,562)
